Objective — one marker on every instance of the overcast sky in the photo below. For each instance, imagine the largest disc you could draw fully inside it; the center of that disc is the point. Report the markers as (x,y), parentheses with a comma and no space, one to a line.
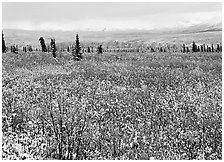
(109,16)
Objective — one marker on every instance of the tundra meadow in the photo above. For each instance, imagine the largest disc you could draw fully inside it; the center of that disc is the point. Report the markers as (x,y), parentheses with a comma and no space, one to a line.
(139,106)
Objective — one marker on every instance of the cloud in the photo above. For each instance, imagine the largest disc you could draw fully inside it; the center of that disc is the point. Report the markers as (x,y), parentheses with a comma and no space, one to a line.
(147,21)
(90,24)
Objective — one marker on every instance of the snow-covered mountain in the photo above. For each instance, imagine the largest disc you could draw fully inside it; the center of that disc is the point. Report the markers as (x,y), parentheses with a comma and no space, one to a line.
(21,37)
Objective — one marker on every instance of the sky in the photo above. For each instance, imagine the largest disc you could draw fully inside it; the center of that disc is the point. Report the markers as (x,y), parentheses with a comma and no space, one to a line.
(68,16)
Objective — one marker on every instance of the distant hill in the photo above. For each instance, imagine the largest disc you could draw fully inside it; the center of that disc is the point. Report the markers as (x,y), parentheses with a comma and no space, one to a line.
(24,37)
(204,28)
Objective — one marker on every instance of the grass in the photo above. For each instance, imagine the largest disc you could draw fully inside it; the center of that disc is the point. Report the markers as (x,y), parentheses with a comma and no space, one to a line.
(112,106)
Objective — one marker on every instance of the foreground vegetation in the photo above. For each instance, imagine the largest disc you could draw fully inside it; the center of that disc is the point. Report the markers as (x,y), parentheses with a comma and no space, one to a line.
(112,106)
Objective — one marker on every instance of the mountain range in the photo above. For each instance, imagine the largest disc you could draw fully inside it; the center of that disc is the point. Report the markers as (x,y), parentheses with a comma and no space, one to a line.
(27,37)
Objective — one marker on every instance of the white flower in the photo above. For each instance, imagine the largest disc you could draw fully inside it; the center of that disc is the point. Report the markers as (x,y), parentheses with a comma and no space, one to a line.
(152,158)
(30,122)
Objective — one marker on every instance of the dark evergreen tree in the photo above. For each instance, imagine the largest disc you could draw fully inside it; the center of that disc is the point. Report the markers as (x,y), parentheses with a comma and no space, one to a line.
(24,48)
(30,49)
(42,43)
(184,50)
(202,48)
(53,47)
(76,51)
(3,44)
(14,49)
(68,49)
(212,48)
(152,50)
(209,49)
(198,49)
(218,48)
(194,47)
(188,50)
(161,49)
(88,50)
(100,49)
(77,45)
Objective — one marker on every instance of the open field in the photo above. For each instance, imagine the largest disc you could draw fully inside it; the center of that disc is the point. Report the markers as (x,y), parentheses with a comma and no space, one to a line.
(112,106)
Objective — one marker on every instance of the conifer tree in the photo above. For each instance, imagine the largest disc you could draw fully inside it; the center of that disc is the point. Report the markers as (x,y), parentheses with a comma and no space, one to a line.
(53,46)
(212,48)
(14,49)
(188,49)
(42,43)
(218,48)
(194,47)
(88,50)
(198,49)
(100,49)
(3,44)
(184,50)
(77,45)
(76,51)
(30,49)
(202,48)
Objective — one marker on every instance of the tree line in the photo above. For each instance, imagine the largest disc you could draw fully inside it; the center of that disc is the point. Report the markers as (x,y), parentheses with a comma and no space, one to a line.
(77,51)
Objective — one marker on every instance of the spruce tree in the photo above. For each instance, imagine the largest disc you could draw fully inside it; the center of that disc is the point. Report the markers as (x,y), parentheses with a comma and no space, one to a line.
(202,48)
(194,47)
(160,50)
(198,49)
(88,50)
(218,48)
(188,50)
(184,50)
(42,43)
(76,51)
(30,49)
(77,45)
(3,44)
(209,49)
(100,49)
(53,46)
(14,49)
